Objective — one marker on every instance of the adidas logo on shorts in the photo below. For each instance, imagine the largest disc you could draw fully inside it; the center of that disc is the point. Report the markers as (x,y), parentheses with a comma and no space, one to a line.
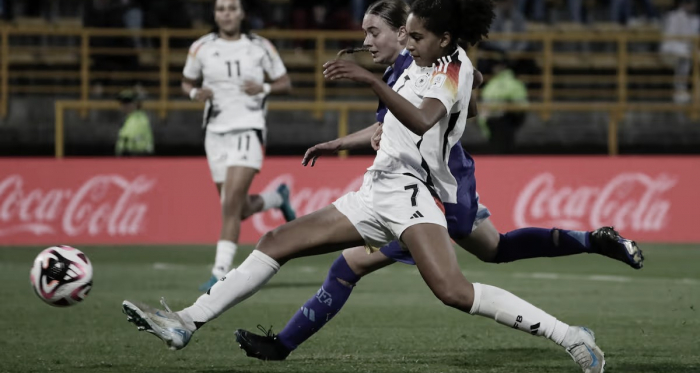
(417,215)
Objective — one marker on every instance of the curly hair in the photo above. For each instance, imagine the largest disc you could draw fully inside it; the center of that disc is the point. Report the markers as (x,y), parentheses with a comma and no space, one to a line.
(468,21)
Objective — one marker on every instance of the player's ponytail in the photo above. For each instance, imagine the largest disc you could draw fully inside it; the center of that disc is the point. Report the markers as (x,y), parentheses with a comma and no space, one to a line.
(467,21)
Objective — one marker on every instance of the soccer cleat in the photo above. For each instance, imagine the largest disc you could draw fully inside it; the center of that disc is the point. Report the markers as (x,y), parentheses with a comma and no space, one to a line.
(585,352)
(611,244)
(263,347)
(164,324)
(207,285)
(286,206)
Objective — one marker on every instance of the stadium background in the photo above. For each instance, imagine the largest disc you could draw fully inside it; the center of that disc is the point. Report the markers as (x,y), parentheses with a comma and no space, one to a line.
(608,138)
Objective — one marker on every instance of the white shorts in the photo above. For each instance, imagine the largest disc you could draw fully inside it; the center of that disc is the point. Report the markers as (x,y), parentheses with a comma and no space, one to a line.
(387,204)
(242,148)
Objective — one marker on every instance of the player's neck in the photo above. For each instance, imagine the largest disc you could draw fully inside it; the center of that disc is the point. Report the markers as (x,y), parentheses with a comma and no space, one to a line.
(230,37)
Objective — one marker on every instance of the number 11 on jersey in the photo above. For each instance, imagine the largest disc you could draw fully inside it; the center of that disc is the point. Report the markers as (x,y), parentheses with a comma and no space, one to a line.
(238,68)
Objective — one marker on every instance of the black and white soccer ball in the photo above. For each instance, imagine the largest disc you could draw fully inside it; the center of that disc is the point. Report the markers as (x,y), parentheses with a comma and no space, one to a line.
(61,276)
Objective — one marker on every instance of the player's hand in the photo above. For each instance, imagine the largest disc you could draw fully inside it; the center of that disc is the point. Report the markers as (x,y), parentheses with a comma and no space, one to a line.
(203,94)
(326,148)
(251,88)
(341,69)
(377,137)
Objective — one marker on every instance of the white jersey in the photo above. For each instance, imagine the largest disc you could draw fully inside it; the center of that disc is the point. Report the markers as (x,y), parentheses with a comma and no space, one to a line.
(224,66)
(425,158)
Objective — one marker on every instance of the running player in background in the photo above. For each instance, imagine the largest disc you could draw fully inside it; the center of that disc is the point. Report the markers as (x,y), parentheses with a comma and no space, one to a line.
(385,38)
(401,197)
(232,64)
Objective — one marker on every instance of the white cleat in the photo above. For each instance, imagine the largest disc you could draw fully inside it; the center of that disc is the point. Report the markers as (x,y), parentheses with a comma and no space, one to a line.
(166,325)
(585,352)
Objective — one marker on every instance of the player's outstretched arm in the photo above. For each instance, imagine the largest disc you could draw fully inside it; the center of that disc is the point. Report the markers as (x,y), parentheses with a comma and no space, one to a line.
(359,139)
(417,119)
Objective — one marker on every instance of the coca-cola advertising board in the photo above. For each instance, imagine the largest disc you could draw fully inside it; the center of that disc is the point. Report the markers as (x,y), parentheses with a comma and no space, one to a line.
(173,200)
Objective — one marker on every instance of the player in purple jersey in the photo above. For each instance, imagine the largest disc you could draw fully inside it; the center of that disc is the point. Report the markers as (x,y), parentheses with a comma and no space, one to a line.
(385,39)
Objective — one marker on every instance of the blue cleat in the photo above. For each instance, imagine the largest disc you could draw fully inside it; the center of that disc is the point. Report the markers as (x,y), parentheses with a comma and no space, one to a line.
(164,324)
(207,285)
(286,206)
(585,351)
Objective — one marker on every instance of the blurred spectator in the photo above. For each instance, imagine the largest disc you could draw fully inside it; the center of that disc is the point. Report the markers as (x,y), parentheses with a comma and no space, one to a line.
(536,11)
(621,10)
(678,53)
(108,14)
(500,127)
(6,9)
(508,20)
(135,137)
(358,8)
(575,10)
(133,17)
(320,14)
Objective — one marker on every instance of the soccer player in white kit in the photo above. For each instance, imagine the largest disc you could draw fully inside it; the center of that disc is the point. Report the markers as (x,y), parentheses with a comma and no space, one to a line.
(401,196)
(232,65)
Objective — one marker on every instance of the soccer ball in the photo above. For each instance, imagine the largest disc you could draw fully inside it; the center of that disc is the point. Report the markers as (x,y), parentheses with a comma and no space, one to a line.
(61,276)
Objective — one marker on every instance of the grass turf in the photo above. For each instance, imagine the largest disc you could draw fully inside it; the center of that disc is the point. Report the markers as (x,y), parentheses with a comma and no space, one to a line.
(645,321)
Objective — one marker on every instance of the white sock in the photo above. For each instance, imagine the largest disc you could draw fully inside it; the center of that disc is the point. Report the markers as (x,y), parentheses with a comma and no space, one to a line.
(509,310)
(225,251)
(235,287)
(271,200)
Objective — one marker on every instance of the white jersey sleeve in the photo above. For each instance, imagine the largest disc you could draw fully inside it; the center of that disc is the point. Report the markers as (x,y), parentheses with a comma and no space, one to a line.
(449,82)
(272,62)
(193,65)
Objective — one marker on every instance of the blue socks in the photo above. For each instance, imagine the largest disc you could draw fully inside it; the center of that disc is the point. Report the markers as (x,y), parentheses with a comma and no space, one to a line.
(540,242)
(321,308)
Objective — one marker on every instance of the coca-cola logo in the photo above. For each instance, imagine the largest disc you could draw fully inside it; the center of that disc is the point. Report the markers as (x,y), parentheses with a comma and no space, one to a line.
(305,200)
(104,204)
(633,201)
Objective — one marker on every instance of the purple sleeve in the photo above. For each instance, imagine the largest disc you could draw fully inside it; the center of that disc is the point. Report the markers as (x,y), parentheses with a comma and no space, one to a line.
(381,112)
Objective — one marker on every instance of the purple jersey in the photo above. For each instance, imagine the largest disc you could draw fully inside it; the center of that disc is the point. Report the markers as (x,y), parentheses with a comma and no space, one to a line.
(461,215)
(390,76)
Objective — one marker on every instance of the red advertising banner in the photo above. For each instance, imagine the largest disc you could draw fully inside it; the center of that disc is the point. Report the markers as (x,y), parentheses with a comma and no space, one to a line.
(173,200)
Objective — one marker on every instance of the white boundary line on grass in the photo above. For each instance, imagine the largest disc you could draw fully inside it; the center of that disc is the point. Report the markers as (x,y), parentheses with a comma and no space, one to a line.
(603,278)
(522,275)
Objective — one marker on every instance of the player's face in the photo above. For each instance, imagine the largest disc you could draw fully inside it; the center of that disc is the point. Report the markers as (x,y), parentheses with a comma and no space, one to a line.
(425,46)
(228,15)
(383,42)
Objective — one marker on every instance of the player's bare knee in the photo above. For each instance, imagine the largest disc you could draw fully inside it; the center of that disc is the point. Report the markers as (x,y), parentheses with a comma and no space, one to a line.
(268,243)
(233,207)
(459,297)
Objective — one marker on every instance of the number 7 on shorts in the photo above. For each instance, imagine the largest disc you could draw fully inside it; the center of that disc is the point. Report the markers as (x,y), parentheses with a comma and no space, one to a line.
(415,192)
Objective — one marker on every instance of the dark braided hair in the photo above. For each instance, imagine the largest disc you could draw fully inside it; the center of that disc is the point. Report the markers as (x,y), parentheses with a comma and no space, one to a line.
(468,21)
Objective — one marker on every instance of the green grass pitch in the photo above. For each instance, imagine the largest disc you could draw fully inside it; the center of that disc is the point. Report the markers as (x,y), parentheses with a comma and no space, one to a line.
(645,321)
